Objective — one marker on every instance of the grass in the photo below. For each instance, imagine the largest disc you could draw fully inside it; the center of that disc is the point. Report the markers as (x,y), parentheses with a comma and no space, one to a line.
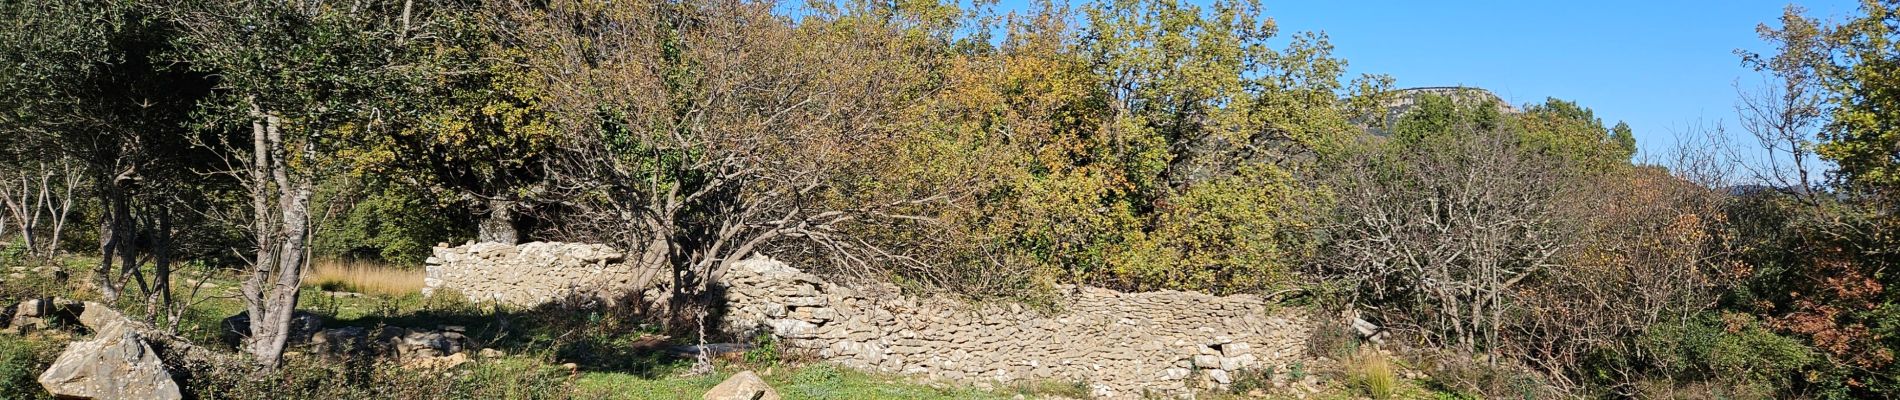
(364,277)
(1374,374)
(809,382)
(21,360)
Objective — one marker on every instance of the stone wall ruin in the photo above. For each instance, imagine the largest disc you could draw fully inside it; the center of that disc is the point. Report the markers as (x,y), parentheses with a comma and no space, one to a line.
(536,273)
(1122,345)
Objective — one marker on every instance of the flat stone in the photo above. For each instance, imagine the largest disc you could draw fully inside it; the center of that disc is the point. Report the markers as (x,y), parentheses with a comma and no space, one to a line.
(743,385)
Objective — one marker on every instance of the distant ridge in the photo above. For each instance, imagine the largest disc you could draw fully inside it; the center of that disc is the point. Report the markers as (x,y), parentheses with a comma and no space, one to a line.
(1403,100)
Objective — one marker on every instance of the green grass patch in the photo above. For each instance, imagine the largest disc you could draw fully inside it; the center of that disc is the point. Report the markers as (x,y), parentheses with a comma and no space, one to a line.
(810,382)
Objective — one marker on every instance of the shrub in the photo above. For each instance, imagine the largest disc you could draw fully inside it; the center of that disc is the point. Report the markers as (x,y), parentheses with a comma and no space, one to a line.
(1733,349)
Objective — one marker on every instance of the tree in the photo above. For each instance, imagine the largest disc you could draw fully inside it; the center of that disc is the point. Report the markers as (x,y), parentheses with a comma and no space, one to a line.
(1443,233)
(696,134)
(1567,129)
(88,85)
(1785,115)
(484,132)
(310,80)
(1624,139)
(1862,136)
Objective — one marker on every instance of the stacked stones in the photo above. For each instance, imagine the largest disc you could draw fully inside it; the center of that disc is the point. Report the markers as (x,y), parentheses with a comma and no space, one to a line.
(1123,345)
(535,273)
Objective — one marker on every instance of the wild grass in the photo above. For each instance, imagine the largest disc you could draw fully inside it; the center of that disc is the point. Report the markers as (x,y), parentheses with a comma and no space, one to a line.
(365,277)
(1373,373)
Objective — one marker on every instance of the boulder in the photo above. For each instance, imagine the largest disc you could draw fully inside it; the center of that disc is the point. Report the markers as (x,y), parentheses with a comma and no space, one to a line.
(303,325)
(116,364)
(742,386)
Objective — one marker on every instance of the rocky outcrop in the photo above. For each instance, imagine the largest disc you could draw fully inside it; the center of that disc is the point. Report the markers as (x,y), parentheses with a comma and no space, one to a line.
(116,363)
(1122,344)
(742,386)
(537,273)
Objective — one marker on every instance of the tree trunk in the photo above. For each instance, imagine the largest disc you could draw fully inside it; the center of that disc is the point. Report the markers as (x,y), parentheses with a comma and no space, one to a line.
(161,295)
(128,231)
(71,179)
(280,204)
(109,242)
(499,225)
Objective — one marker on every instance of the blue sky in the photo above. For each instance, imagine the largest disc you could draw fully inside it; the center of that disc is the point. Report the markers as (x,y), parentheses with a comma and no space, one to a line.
(1660,65)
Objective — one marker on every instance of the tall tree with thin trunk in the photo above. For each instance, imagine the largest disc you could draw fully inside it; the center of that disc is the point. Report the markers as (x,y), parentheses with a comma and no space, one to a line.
(302,83)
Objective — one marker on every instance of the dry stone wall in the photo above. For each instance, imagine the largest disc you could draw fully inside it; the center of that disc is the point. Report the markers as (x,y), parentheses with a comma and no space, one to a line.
(1123,345)
(537,273)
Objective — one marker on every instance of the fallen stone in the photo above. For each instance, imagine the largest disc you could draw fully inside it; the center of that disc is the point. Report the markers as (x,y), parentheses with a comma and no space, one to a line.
(437,363)
(40,314)
(116,364)
(742,386)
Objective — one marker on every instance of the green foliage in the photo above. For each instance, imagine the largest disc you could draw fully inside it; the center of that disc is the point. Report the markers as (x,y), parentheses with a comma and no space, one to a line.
(1157,152)
(21,361)
(385,222)
(1434,115)
(1728,347)
(1573,132)
(1855,61)
(765,351)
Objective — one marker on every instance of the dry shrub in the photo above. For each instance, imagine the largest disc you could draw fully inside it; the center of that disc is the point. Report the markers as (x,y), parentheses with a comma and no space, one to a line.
(364,277)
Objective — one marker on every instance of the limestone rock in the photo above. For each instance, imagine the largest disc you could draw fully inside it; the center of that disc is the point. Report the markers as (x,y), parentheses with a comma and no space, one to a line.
(116,364)
(742,386)
(40,314)
(437,363)
(422,343)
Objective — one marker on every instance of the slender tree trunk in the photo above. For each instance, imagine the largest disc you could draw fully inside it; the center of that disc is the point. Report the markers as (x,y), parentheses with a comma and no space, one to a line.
(65,206)
(109,243)
(499,225)
(128,231)
(22,209)
(161,295)
(280,205)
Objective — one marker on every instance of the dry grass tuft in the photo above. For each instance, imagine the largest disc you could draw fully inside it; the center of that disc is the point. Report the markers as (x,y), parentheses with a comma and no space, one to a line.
(1372,372)
(364,277)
